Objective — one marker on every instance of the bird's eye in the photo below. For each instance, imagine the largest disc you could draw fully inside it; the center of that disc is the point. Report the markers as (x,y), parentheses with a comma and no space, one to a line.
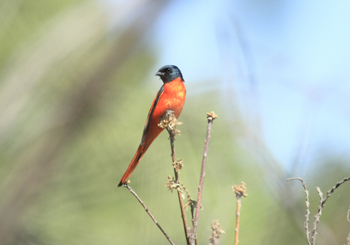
(168,70)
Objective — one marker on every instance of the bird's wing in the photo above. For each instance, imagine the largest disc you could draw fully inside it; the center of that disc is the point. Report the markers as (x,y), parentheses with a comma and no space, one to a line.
(150,113)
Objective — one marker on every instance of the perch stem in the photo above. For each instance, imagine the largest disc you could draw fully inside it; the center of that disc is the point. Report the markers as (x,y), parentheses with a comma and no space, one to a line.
(148,212)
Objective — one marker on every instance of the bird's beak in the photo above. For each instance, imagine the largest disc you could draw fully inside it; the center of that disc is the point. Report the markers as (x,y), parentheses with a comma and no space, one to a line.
(159,73)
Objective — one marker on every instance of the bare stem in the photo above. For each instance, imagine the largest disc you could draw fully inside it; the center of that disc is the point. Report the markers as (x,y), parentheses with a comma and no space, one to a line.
(211,116)
(148,212)
(239,192)
(307,215)
(320,207)
(322,204)
(169,121)
(317,217)
(238,213)
(182,208)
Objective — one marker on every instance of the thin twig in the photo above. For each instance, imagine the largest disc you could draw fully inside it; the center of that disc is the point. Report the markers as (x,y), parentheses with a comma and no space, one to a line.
(322,204)
(333,189)
(307,215)
(169,121)
(183,214)
(238,213)
(192,218)
(317,216)
(239,192)
(149,213)
(211,116)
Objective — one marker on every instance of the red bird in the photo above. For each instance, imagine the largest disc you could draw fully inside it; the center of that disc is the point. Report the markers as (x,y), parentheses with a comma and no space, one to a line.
(171,96)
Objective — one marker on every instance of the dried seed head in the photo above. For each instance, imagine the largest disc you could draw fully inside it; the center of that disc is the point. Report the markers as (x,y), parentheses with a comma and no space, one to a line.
(169,121)
(211,116)
(240,190)
(178,165)
(216,232)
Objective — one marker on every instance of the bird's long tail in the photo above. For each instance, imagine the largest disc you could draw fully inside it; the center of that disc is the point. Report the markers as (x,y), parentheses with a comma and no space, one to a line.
(136,159)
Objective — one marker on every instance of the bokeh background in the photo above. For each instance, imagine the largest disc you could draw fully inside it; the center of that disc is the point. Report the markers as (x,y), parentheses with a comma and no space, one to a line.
(77,80)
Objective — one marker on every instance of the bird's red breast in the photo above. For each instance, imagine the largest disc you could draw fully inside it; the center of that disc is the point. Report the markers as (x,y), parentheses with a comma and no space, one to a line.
(171,98)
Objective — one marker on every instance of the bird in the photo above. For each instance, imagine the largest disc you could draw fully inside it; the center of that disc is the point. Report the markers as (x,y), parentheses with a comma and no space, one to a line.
(171,96)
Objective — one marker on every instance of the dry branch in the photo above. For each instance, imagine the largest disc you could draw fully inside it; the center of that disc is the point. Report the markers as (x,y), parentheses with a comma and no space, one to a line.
(322,204)
(148,212)
(239,191)
(169,121)
(320,207)
(211,117)
(307,215)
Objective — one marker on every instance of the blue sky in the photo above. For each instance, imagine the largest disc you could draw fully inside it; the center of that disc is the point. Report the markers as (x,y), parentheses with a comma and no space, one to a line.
(296,65)
(288,60)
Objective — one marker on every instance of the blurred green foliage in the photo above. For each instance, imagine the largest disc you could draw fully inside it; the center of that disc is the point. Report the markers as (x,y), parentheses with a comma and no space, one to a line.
(74,99)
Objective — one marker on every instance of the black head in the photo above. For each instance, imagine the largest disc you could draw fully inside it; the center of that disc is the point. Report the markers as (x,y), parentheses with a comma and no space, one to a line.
(168,73)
